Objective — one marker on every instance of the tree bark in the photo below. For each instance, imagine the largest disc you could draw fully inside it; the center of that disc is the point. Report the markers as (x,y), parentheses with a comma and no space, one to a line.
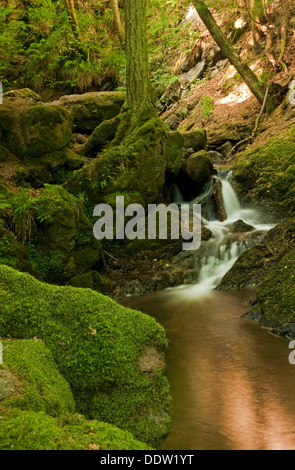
(117,18)
(229,52)
(138,86)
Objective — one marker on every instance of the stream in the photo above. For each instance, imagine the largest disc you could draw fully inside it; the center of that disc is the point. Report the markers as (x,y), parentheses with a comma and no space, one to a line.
(231,381)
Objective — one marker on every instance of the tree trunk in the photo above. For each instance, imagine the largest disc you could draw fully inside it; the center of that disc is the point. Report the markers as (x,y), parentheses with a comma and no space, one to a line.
(228,51)
(257,16)
(116,12)
(285,11)
(137,65)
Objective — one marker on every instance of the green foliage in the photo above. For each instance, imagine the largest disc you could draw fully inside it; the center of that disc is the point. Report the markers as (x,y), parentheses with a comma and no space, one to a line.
(207,105)
(44,264)
(49,54)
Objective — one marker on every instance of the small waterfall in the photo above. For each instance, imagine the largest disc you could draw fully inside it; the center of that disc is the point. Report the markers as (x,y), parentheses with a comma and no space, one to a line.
(217,255)
(230,200)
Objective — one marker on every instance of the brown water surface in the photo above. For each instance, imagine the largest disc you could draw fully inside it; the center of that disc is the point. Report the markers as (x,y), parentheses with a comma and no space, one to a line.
(231,381)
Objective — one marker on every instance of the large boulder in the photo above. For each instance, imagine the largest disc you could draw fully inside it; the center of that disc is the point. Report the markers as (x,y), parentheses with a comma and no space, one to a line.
(267,173)
(100,348)
(91,109)
(37,406)
(29,129)
(194,173)
(136,166)
(255,264)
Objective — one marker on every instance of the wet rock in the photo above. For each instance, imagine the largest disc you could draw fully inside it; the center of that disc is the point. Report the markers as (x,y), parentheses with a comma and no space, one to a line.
(195,172)
(226,148)
(240,226)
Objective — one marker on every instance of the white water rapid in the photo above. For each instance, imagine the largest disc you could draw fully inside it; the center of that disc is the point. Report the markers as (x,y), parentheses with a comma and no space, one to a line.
(219,254)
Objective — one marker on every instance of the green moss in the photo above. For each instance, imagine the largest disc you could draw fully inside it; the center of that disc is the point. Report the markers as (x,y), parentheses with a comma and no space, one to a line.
(196,139)
(40,385)
(276,295)
(173,151)
(96,344)
(12,252)
(267,172)
(27,430)
(255,264)
(136,165)
(91,109)
(30,131)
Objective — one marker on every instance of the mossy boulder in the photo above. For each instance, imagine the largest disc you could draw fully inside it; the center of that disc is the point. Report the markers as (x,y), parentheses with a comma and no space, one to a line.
(194,173)
(30,430)
(22,93)
(31,380)
(63,244)
(29,131)
(173,151)
(137,165)
(91,109)
(93,280)
(255,264)
(197,139)
(54,168)
(100,137)
(99,348)
(38,410)
(276,294)
(267,173)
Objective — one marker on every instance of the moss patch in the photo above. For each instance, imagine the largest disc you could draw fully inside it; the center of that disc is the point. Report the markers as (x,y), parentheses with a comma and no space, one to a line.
(40,385)
(267,173)
(28,430)
(276,295)
(96,344)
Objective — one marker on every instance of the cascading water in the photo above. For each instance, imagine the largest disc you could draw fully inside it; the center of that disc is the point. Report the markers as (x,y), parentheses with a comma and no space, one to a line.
(219,254)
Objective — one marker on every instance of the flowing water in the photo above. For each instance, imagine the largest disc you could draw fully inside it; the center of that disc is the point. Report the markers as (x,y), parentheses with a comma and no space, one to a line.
(231,381)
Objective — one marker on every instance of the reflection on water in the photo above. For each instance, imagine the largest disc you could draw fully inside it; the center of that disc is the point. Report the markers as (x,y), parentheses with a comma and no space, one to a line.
(231,382)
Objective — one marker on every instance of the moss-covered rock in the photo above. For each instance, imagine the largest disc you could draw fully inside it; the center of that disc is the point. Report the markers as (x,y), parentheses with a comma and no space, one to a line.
(93,280)
(63,244)
(137,166)
(29,430)
(100,137)
(98,347)
(28,131)
(34,381)
(267,173)
(197,139)
(195,172)
(54,168)
(254,265)
(276,294)
(23,93)
(173,151)
(91,109)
